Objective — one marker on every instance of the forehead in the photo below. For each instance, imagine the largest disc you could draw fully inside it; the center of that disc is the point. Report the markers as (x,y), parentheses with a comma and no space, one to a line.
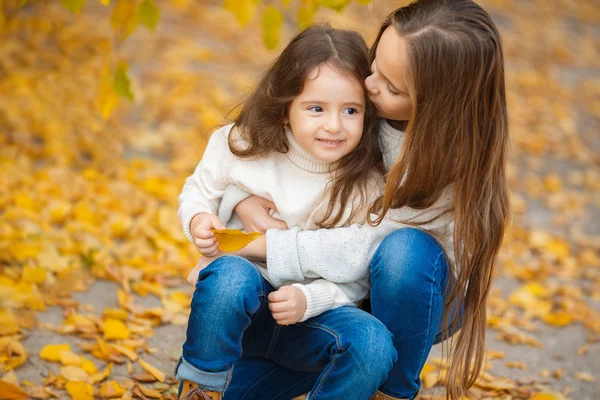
(327,81)
(392,57)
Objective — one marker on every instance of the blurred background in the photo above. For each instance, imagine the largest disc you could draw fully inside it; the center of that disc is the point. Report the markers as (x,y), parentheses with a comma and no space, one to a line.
(105,108)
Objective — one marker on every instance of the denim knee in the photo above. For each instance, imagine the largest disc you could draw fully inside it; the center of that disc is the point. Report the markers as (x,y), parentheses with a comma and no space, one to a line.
(404,256)
(230,279)
(372,348)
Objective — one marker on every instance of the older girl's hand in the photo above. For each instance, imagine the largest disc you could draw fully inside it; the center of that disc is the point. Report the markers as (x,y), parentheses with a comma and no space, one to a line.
(287,305)
(256,215)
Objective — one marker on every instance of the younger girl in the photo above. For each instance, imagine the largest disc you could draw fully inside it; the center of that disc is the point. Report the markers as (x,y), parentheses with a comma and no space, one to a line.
(305,140)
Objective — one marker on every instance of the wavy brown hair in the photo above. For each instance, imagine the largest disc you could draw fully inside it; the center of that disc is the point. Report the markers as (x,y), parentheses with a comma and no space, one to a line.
(260,121)
(457,137)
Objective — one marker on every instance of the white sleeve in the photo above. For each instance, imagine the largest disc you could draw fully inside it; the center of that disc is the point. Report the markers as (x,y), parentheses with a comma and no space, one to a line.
(338,255)
(322,295)
(232,196)
(203,190)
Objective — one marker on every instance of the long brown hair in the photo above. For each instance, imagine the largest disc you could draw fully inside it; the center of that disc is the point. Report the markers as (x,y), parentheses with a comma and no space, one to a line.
(457,137)
(260,121)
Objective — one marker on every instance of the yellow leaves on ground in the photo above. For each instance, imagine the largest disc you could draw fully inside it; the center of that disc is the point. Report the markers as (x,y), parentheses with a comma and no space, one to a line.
(8,391)
(51,352)
(158,374)
(115,329)
(80,390)
(233,240)
(74,373)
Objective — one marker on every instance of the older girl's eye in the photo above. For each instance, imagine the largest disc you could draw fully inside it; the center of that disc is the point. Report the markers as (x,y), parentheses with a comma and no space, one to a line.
(351,111)
(393,93)
(315,108)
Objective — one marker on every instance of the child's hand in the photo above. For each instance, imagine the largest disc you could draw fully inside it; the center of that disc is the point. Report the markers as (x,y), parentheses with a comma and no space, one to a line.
(204,239)
(287,305)
(256,215)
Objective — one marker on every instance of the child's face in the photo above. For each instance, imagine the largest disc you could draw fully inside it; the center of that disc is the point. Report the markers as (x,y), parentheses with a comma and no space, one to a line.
(387,83)
(327,117)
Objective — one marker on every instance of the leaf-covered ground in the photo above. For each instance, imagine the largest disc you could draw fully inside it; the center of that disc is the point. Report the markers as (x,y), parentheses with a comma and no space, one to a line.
(92,257)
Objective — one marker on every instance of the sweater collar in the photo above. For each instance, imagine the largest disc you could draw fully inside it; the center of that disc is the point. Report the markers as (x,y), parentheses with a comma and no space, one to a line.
(303,159)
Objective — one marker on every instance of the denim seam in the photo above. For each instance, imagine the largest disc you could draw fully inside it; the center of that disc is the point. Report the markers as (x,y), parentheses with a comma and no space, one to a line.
(323,378)
(330,331)
(258,381)
(255,309)
(273,341)
(437,262)
(296,384)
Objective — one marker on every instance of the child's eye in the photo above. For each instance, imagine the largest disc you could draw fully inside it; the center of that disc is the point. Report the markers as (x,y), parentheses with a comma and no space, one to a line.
(351,111)
(393,93)
(315,108)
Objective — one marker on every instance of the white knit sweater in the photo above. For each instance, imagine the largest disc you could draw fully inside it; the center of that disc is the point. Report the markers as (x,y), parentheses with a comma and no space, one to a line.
(296,183)
(344,254)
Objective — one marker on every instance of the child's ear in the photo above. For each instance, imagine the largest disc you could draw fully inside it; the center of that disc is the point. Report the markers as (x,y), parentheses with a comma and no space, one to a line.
(286,121)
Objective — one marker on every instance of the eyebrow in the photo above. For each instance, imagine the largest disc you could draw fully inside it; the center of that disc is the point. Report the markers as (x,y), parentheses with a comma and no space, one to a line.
(352,103)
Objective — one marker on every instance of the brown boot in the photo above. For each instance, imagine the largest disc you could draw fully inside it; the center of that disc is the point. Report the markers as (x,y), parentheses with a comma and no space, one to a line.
(383,396)
(191,391)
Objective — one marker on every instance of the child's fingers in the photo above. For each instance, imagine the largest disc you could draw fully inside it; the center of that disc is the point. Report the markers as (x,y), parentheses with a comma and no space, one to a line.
(277,295)
(282,317)
(277,307)
(210,252)
(203,234)
(205,243)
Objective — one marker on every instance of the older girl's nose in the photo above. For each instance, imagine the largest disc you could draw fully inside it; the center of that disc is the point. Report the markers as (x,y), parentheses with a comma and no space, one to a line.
(370,85)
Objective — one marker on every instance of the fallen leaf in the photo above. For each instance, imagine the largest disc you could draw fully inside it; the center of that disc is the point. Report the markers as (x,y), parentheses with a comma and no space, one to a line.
(233,240)
(153,370)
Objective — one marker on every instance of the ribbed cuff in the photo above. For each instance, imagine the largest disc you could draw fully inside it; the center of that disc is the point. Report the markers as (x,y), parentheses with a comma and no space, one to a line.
(232,196)
(186,225)
(318,300)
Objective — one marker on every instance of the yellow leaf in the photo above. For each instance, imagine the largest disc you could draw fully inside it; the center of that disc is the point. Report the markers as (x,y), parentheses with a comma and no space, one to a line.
(80,390)
(244,10)
(34,274)
(153,371)
(560,318)
(110,390)
(149,14)
(51,352)
(9,324)
(100,376)
(88,366)
(306,13)
(108,99)
(272,20)
(233,240)
(337,5)
(12,392)
(151,393)
(116,313)
(125,17)
(547,396)
(67,357)
(585,377)
(74,373)
(115,329)
(126,351)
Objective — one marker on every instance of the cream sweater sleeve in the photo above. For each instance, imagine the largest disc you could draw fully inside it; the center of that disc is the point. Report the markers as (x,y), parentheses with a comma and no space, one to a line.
(203,190)
(322,295)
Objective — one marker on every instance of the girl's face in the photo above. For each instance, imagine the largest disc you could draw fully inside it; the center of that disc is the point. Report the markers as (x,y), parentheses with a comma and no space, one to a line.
(386,85)
(327,117)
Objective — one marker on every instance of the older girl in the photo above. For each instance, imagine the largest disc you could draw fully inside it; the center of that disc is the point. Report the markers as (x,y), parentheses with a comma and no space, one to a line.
(438,84)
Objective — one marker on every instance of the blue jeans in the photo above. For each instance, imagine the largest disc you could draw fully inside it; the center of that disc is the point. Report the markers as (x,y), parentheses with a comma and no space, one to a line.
(344,353)
(409,276)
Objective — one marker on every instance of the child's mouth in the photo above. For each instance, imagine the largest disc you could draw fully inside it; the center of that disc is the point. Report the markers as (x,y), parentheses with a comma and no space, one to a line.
(330,143)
